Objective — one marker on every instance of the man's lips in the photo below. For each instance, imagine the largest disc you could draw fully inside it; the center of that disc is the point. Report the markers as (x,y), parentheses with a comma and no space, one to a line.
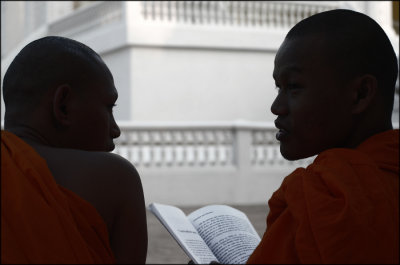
(282,133)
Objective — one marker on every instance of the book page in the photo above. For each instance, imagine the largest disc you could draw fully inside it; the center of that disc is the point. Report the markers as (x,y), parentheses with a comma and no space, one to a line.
(227,231)
(177,224)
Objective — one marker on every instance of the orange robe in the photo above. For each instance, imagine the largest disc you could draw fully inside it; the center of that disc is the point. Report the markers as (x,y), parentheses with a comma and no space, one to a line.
(42,222)
(343,208)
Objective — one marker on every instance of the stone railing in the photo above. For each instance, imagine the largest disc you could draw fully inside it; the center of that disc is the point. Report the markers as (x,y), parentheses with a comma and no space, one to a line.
(89,17)
(200,163)
(281,14)
(201,145)
(272,14)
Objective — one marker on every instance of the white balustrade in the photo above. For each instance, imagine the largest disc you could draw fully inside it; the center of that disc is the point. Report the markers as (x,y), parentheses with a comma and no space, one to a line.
(200,145)
(88,18)
(280,14)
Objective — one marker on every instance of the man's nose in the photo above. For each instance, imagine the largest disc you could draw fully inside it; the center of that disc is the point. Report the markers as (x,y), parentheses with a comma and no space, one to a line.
(280,106)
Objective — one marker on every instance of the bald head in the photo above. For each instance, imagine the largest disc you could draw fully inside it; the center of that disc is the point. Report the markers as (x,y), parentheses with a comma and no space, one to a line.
(43,65)
(354,45)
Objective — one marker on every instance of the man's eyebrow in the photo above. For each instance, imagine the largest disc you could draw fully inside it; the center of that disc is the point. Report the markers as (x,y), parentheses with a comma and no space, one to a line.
(288,69)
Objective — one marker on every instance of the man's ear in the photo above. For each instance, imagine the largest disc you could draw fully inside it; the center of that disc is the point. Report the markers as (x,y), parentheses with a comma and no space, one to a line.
(61,100)
(364,90)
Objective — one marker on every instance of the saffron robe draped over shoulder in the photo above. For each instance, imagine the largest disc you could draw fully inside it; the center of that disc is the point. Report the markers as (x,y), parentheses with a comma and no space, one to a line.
(42,222)
(343,208)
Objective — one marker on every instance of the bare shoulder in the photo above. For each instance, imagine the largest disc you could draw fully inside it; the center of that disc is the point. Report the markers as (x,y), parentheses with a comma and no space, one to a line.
(113,186)
(104,173)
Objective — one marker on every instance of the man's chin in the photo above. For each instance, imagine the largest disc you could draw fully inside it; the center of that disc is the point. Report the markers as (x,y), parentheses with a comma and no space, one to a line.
(111,147)
(293,154)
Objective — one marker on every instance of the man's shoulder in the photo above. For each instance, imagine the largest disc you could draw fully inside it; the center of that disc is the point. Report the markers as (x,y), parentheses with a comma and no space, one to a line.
(87,161)
(105,180)
(86,172)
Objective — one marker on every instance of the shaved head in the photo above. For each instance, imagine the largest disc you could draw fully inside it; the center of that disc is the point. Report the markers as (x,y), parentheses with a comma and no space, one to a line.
(355,45)
(43,65)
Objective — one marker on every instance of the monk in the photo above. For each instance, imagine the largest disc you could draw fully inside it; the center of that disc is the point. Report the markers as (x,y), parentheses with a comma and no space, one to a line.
(335,73)
(64,197)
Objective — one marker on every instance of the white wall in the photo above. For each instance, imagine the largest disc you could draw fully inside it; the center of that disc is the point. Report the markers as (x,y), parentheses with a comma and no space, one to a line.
(120,66)
(170,84)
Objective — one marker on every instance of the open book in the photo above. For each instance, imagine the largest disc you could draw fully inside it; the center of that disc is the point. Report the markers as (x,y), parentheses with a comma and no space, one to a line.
(212,233)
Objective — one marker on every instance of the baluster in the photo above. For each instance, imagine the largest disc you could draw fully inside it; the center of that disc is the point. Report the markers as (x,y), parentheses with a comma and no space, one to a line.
(197,16)
(174,148)
(152,5)
(257,14)
(258,144)
(187,147)
(284,15)
(255,142)
(253,149)
(235,13)
(265,148)
(212,12)
(132,147)
(159,10)
(205,14)
(292,10)
(189,12)
(195,148)
(179,146)
(271,14)
(162,145)
(200,147)
(221,148)
(308,10)
(251,13)
(143,148)
(278,15)
(180,11)
(145,9)
(270,147)
(167,10)
(206,149)
(167,148)
(217,147)
(213,144)
(301,13)
(150,151)
(242,13)
(140,148)
(173,11)
(229,146)
(220,13)
(156,141)
(263,14)
(228,13)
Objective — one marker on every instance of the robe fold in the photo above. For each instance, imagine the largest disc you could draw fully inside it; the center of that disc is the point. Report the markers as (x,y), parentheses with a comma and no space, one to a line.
(343,208)
(42,222)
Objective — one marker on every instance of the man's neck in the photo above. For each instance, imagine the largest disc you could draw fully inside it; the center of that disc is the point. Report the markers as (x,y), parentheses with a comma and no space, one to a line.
(361,135)
(28,133)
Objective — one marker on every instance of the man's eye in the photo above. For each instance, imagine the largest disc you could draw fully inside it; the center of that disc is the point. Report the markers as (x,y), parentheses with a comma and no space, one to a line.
(293,86)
